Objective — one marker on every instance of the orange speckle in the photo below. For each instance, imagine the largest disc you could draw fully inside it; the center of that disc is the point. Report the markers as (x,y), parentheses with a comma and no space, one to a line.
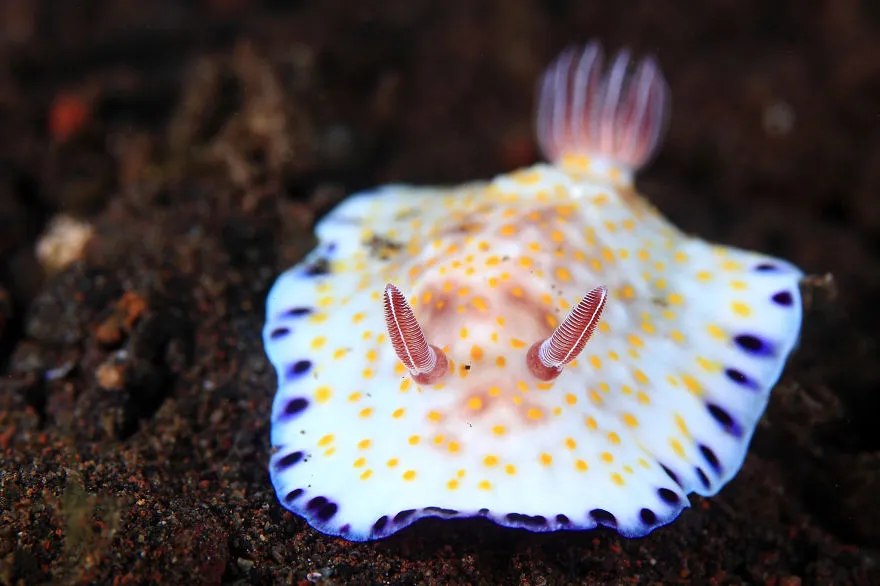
(490,460)
(409,475)
(414,440)
(546,459)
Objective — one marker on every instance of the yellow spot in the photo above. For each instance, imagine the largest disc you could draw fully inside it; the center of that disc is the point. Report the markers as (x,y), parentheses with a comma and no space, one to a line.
(613,438)
(358,317)
(510,469)
(580,465)
(405,384)
(551,320)
(626,389)
(525,261)
(517,292)
(591,423)
(570,399)
(607,457)
(463,333)
(360,462)
(570,443)
(366,474)
(617,479)
(739,285)
(326,440)
(453,447)
(546,459)
(680,257)
(493,282)
(557,236)
(392,462)
(675,299)
(635,340)
(716,332)
(682,426)
(544,386)
(630,420)
(517,343)
(414,440)
(398,413)
(507,230)
(340,353)
(499,430)
(484,485)
(595,397)
(399,368)
(409,475)
(708,364)
(330,451)
(494,391)
(490,461)
(461,472)
(318,342)
(493,260)
(692,385)
(677,336)
(596,362)
(676,447)
(741,309)
(366,412)
(704,276)
(354,397)
(648,328)
(323,394)
(367,373)
(642,254)
(364,444)
(438,439)
(535,413)
(452,484)
(731,265)
(522,386)
(640,376)
(643,399)
(435,416)
(475,403)
(562,274)
(500,321)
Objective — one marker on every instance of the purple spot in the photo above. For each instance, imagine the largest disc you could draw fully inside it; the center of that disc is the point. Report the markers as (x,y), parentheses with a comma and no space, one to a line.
(603,517)
(323,508)
(402,516)
(380,524)
(483,512)
(703,478)
(648,516)
(289,460)
(739,378)
(344,529)
(783,298)
(753,345)
(667,496)
(671,474)
(711,458)
(293,495)
(319,268)
(562,520)
(278,333)
(766,267)
(724,419)
(526,520)
(295,406)
(298,368)
(441,511)
(297,312)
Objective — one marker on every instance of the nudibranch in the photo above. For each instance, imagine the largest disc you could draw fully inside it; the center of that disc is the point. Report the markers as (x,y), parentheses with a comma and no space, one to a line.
(544,350)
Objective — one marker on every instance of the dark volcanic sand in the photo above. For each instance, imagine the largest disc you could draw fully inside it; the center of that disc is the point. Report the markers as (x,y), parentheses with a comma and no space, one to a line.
(201,139)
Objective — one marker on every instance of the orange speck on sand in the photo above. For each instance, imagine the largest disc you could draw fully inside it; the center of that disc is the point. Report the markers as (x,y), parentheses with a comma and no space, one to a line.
(67,116)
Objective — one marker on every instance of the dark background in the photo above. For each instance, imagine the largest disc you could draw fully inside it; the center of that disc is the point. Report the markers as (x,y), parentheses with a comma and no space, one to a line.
(200,140)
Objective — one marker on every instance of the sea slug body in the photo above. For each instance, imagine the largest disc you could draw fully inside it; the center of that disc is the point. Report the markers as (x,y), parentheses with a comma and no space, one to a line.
(544,349)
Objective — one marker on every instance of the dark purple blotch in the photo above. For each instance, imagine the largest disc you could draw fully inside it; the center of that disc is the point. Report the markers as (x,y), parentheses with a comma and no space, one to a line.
(562,519)
(766,267)
(402,516)
(322,508)
(293,495)
(711,458)
(279,333)
(668,496)
(297,312)
(648,516)
(603,517)
(740,378)
(783,298)
(441,511)
(380,524)
(754,345)
(483,512)
(298,368)
(526,520)
(702,476)
(670,474)
(724,419)
(289,460)
(295,406)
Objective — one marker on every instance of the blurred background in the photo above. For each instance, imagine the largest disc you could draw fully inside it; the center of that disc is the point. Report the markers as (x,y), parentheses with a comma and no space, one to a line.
(161,162)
